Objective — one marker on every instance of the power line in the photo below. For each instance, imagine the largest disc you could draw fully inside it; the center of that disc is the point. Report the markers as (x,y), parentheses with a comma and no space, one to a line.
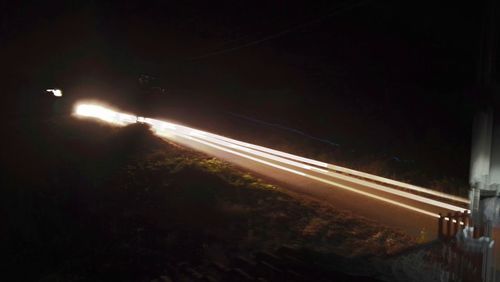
(281,33)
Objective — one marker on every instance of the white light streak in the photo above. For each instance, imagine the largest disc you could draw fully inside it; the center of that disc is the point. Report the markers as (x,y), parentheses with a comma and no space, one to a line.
(345,170)
(195,132)
(350,179)
(318,178)
(398,183)
(222,143)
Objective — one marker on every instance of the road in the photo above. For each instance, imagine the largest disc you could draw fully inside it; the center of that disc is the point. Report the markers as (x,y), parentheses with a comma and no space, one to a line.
(399,205)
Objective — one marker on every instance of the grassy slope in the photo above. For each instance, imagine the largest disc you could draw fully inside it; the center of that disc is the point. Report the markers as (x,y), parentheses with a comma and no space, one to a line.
(89,202)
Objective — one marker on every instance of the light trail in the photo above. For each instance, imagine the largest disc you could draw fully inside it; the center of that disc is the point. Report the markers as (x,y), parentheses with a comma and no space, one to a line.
(318,178)
(399,184)
(337,176)
(167,129)
(255,149)
(328,166)
(341,169)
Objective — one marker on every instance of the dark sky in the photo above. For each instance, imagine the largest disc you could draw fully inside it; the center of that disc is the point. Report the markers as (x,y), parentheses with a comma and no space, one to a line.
(398,73)
(425,43)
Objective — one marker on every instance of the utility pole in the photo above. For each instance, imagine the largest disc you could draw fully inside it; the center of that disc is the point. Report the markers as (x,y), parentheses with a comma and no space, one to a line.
(485,153)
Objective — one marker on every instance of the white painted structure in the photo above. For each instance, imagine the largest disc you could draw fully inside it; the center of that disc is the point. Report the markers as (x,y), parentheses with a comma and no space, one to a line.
(485,191)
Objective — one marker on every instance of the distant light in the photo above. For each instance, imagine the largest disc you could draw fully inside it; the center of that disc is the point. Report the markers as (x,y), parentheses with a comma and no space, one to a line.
(56,92)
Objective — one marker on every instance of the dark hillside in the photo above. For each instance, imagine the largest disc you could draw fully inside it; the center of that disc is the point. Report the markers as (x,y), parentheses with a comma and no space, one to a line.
(104,203)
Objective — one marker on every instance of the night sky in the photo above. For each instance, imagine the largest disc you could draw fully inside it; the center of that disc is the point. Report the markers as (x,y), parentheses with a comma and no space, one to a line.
(397,77)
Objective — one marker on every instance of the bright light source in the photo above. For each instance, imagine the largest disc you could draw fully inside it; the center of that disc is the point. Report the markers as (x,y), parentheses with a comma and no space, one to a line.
(55,92)
(99,112)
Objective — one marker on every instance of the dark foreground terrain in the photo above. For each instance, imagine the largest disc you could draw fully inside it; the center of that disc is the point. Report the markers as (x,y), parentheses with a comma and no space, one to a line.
(86,202)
